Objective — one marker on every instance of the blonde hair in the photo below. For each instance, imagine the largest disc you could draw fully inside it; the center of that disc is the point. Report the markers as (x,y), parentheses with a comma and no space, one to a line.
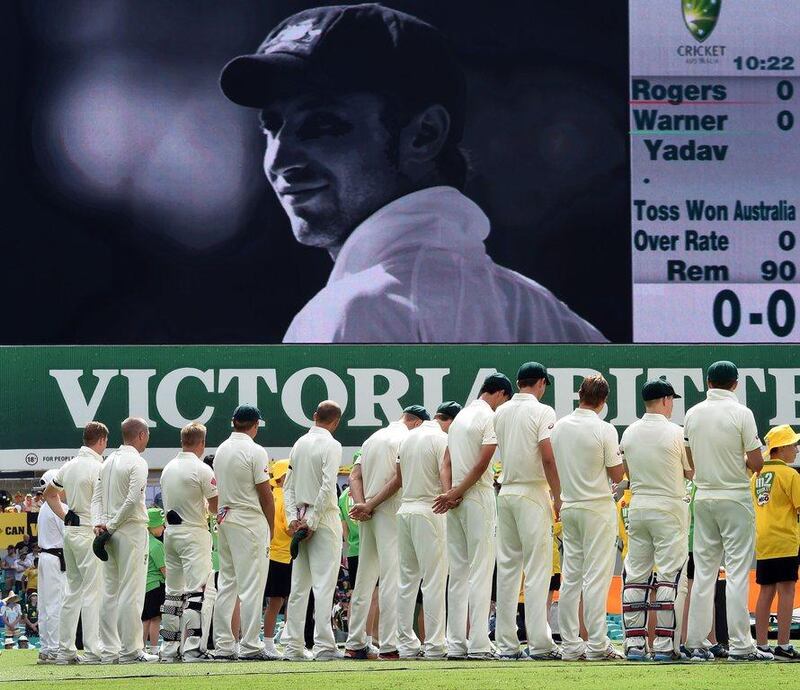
(192,434)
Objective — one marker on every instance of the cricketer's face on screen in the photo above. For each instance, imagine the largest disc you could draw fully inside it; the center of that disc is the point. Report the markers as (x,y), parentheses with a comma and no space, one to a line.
(332,162)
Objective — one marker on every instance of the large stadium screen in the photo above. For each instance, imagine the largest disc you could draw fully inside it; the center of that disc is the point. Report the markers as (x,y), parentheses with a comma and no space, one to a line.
(715,170)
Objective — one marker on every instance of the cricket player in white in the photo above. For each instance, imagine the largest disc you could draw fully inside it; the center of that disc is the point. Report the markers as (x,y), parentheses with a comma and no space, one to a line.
(524,515)
(245,523)
(188,493)
(374,488)
(422,539)
(723,445)
(51,572)
(587,455)
(118,507)
(77,479)
(471,516)
(655,460)
(309,494)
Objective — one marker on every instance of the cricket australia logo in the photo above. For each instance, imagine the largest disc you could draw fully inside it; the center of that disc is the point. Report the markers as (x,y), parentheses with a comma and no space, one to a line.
(700,17)
(764,487)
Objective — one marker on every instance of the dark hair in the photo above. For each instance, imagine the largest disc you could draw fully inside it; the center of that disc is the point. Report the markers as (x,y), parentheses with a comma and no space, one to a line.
(528,383)
(725,385)
(244,426)
(209,460)
(593,390)
(452,163)
(493,386)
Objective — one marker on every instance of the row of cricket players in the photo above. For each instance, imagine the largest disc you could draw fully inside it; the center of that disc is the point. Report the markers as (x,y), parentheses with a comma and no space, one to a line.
(423,493)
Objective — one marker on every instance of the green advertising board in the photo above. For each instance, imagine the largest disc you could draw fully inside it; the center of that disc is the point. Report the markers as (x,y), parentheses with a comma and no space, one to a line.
(49,393)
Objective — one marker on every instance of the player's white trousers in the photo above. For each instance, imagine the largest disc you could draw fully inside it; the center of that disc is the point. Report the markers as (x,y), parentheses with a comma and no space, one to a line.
(377,558)
(316,567)
(470,551)
(524,544)
(81,595)
(187,555)
(657,540)
(243,542)
(124,575)
(51,598)
(589,534)
(722,526)
(422,548)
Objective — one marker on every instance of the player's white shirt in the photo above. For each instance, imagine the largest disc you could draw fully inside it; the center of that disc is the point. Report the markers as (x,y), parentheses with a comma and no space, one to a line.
(381,287)
(77,478)
(472,428)
(720,431)
(118,497)
(311,480)
(239,464)
(655,453)
(378,461)
(186,484)
(584,446)
(50,528)
(520,424)
(421,457)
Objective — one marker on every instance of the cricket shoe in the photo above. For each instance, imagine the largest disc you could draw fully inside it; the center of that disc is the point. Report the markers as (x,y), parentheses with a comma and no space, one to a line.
(140,658)
(756,655)
(304,655)
(168,659)
(787,653)
(637,654)
(669,657)
(271,650)
(518,656)
(226,658)
(416,656)
(699,654)
(610,654)
(720,651)
(491,655)
(368,653)
(46,658)
(389,656)
(553,655)
(89,660)
(64,661)
(329,655)
(260,655)
(197,658)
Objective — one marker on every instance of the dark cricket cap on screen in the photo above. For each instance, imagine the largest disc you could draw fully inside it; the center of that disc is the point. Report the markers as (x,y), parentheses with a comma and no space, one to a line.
(658,388)
(418,411)
(449,408)
(247,413)
(722,372)
(345,48)
(534,370)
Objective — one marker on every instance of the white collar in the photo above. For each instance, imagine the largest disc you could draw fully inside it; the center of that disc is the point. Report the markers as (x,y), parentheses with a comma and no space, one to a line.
(89,453)
(433,217)
(654,417)
(187,454)
(720,394)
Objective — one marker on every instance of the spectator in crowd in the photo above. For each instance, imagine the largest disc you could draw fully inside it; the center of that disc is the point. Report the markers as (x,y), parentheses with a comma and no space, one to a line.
(12,616)
(31,579)
(30,614)
(19,499)
(10,567)
(156,577)
(24,561)
(27,503)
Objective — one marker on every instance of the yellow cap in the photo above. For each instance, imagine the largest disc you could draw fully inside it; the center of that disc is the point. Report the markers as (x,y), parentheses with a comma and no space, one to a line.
(779,436)
(279,469)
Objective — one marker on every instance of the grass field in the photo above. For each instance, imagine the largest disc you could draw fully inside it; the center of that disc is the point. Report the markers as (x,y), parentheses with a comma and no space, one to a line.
(20,667)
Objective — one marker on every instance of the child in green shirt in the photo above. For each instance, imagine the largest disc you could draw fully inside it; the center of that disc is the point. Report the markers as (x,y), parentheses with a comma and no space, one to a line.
(154,586)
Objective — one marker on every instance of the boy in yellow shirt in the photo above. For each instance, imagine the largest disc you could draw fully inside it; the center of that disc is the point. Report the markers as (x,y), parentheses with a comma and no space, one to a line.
(279,579)
(776,498)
